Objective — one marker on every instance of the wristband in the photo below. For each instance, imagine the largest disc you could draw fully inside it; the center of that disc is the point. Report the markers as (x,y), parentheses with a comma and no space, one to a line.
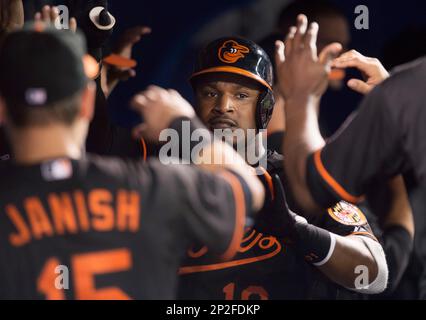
(315,244)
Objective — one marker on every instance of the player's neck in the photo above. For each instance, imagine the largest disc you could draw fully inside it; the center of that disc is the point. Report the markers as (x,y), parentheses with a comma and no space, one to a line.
(34,145)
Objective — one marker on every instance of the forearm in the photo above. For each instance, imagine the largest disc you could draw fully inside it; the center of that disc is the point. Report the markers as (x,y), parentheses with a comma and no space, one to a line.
(398,234)
(355,262)
(350,262)
(302,138)
(400,212)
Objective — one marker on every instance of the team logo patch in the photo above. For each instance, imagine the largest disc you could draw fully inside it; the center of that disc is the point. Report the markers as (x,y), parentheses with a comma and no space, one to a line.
(347,214)
(231,51)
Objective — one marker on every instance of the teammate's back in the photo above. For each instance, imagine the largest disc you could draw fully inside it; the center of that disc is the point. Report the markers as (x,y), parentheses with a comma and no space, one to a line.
(108,222)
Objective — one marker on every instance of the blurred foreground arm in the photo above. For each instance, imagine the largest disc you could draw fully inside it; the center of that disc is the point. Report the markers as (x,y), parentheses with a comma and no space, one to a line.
(302,80)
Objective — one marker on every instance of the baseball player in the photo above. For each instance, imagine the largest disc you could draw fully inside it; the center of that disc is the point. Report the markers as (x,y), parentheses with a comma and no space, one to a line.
(388,200)
(283,256)
(383,139)
(112,229)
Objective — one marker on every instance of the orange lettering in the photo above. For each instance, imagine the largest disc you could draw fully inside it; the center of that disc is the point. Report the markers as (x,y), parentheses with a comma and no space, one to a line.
(128,210)
(87,266)
(229,291)
(62,213)
(46,281)
(23,235)
(38,218)
(100,207)
(254,291)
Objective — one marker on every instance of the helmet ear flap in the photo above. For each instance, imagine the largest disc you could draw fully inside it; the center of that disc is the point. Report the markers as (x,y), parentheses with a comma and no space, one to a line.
(264,109)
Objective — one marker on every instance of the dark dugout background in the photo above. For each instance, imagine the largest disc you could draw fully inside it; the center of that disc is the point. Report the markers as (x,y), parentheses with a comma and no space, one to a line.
(180,27)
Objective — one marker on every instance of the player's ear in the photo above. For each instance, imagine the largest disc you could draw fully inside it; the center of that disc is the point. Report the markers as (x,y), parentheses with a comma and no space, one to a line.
(88,98)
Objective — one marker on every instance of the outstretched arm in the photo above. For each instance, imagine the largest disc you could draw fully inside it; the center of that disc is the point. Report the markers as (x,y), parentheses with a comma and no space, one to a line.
(321,174)
(303,78)
(340,244)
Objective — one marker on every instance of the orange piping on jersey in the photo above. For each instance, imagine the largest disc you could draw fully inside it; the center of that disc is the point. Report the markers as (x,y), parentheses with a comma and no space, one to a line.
(240,213)
(332,182)
(229,264)
(268,179)
(234,70)
(143,144)
(364,233)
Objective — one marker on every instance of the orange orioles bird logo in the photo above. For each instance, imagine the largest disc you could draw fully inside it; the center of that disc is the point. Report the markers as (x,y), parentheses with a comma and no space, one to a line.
(231,51)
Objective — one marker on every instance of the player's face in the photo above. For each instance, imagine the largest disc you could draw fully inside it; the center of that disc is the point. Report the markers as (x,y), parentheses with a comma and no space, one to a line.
(227,102)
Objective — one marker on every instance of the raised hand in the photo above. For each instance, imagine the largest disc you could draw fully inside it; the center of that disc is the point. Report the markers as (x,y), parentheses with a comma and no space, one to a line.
(371,68)
(300,71)
(119,65)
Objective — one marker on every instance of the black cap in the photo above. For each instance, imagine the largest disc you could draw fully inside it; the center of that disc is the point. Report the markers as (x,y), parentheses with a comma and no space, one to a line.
(238,56)
(244,58)
(41,65)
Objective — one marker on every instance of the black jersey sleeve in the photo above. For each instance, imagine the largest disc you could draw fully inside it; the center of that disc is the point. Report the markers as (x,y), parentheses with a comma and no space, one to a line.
(368,145)
(214,207)
(384,138)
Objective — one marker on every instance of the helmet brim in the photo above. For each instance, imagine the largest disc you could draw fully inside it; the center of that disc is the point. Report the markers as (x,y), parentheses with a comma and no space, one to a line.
(233,70)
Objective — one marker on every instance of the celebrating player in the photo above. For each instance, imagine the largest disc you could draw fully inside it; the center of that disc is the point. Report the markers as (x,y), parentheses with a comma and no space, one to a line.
(382,140)
(233,87)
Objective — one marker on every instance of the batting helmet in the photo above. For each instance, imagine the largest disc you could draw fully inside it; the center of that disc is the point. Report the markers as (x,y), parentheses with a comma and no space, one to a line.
(245,58)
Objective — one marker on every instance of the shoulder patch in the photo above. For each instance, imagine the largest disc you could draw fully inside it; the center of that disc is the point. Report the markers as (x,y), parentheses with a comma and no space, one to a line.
(347,214)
